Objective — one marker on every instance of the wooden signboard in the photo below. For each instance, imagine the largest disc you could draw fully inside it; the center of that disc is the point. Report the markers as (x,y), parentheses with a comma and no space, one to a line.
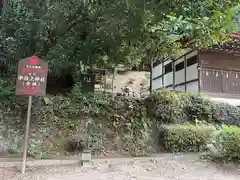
(32,77)
(87,82)
(31,81)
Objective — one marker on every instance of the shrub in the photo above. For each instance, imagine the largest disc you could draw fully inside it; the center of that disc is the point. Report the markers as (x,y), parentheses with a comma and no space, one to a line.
(227,143)
(186,137)
(7,90)
(139,143)
(166,106)
(198,107)
(13,146)
(108,117)
(123,120)
(228,114)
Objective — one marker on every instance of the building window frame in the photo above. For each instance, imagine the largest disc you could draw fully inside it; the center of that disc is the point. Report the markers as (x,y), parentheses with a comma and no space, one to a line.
(168,68)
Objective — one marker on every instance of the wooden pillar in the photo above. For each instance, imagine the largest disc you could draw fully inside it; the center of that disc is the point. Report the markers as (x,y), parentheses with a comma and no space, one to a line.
(199,72)
(113,78)
(185,72)
(151,77)
(174,70)
(162,74)
(105,81)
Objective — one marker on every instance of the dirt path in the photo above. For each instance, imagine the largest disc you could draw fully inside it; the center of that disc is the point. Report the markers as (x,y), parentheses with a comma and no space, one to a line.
(177,168)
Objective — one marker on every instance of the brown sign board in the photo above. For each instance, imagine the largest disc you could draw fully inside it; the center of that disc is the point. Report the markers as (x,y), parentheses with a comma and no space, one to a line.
(31,77)
(87,82)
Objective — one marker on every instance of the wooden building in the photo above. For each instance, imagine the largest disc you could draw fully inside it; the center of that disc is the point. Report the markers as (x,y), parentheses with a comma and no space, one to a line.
(215,72)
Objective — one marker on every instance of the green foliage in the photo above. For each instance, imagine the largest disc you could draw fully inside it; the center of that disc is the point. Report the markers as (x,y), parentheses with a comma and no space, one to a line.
(124,118)
(166,106)
(34,147)
(177,107)
(186,138)
(7,90)
(14,145)
(103,122)
(77,34)
(227,144)
(139,143)
(200,108)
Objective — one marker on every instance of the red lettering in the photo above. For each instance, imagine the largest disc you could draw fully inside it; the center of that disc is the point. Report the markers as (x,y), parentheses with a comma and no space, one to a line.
(23,70)
(34,61)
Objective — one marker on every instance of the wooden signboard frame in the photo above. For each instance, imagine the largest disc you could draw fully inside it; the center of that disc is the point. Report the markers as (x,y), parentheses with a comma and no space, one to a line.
(31,81)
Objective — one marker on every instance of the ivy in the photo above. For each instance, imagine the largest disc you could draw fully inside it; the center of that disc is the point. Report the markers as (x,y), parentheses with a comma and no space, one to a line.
(105,123)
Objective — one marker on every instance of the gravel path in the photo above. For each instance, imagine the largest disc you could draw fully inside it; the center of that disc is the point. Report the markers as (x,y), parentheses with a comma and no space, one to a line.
(132,169)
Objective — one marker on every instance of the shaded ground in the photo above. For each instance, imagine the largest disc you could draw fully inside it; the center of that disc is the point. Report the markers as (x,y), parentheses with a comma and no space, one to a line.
(158,168)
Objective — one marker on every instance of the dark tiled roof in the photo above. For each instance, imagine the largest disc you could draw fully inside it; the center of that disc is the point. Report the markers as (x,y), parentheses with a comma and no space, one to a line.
(230,47)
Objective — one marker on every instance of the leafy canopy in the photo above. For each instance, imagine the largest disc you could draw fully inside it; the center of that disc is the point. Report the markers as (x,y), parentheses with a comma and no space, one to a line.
(105,33)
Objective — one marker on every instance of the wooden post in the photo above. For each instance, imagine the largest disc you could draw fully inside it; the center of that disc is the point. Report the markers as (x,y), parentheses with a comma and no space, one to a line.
(199,73)
(163,74)
(173,74)
(25,146)
(105,81)
(151,77)
(113,77)
(185,72)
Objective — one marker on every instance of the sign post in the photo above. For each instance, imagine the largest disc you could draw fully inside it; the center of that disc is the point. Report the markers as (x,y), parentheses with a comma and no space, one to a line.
(31,81)
(25,146)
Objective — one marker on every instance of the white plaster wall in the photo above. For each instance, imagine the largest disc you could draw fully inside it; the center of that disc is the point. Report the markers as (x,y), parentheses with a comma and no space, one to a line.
(194,53)
(157,83)
(180,88)
(192,72)
(192,86)
(179,60)
(157,71)
(187,50)
(167,62)
(168,79)
(179,76)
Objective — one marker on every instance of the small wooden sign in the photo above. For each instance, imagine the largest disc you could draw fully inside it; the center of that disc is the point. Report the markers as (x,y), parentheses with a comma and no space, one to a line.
(87,82)
(31,77)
